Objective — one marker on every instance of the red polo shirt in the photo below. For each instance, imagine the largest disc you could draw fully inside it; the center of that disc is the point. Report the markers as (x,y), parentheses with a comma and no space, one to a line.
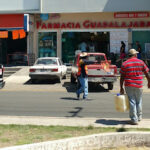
(133,70)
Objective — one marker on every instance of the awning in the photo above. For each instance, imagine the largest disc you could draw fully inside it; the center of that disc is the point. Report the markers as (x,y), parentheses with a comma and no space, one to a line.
(11,21)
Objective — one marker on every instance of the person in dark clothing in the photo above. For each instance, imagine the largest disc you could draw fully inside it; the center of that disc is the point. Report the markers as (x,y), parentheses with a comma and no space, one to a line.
(122,50)
(82,76)
(138,49)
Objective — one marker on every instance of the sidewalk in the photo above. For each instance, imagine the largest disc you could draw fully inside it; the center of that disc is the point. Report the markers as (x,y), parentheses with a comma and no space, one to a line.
(73,121)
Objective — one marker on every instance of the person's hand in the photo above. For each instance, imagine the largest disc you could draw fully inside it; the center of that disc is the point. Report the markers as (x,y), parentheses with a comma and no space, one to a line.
(121,91)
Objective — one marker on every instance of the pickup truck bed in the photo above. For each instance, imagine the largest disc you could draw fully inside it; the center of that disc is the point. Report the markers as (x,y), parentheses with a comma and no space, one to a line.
(99,72)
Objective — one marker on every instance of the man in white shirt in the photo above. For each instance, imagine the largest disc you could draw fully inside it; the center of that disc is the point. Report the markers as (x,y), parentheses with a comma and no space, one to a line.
(83,47)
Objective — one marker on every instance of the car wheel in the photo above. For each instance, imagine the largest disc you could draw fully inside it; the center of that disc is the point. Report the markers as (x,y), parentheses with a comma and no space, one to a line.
(110,86)
(72,79)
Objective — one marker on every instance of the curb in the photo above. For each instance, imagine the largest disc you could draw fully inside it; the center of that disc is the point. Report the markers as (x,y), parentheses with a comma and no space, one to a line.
(90,142)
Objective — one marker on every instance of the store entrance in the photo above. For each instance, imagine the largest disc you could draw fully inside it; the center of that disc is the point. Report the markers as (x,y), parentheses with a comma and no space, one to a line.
(142,37)
(13,52)
(84,41)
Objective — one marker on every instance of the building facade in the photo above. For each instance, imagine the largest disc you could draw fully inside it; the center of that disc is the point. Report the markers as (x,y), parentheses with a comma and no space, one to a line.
(61,28)
(63,34)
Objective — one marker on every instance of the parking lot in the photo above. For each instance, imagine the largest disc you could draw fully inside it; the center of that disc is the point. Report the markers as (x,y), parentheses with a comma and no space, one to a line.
(20,81)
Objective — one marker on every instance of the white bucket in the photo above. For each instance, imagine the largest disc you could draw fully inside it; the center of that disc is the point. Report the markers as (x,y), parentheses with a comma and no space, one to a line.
(121,103)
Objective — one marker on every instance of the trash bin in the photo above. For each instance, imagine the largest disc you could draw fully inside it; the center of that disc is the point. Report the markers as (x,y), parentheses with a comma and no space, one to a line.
(1,76)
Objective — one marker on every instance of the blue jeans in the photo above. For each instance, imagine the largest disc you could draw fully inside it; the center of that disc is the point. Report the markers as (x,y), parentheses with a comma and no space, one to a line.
(135,102)
(83,86)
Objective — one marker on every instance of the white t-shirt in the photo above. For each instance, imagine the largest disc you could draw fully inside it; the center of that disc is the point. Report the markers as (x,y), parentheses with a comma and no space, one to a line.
(82,46)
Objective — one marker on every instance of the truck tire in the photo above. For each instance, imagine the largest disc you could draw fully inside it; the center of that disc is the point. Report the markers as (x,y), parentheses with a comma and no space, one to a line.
(72,79)
(110,86)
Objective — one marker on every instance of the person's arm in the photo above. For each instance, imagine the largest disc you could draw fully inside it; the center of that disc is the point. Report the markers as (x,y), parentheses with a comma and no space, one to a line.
(148,78)
(121,84)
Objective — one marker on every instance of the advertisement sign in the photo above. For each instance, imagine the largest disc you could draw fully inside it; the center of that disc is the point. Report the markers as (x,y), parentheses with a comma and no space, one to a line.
(132,15)
(11,21)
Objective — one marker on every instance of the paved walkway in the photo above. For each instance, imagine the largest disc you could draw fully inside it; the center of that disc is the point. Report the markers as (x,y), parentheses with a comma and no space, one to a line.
(73,121)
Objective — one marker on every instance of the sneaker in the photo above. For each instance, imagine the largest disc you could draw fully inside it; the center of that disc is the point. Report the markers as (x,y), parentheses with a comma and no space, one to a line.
(133,123)
(85,98)
(78,97)
(139,119)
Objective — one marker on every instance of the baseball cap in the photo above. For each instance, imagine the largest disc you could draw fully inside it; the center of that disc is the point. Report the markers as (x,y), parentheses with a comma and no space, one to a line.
(133,52)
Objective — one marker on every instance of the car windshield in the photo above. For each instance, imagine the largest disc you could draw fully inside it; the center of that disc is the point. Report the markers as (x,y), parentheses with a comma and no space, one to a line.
(46,62)
(96,59)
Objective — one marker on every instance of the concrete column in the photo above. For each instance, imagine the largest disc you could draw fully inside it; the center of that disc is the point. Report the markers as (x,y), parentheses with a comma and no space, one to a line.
(59,45)
(130,39)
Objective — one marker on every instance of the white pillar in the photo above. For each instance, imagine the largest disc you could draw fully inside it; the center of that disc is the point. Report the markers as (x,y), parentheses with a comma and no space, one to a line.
(59,44)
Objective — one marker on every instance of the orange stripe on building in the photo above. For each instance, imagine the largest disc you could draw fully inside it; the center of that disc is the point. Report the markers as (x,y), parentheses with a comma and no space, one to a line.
(15,34)
(22,33)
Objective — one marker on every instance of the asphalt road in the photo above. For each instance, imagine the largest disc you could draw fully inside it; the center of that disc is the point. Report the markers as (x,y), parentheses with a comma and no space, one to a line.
(62,103)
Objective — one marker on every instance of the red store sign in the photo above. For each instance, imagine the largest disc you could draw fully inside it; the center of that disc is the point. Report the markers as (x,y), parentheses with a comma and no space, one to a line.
(92,25)
(132,15)
(11,21)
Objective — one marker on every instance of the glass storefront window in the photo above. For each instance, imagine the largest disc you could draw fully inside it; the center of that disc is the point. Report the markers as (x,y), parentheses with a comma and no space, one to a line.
(72,42)
(47,44)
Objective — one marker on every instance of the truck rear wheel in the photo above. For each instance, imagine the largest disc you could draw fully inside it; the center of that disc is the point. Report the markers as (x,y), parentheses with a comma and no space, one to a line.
(110,86)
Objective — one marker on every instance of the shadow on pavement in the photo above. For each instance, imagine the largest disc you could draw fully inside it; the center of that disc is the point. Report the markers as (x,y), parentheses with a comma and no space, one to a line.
(41,82)
(69,98)
(75,113)
(72,87)
(2,84)
(72,98)
(112,122)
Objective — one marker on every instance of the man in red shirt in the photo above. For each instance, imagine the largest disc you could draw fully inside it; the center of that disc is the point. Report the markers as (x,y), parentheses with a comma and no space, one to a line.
(132,77)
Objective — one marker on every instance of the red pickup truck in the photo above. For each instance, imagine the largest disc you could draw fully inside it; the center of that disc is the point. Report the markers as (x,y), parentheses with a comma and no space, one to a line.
(100,70)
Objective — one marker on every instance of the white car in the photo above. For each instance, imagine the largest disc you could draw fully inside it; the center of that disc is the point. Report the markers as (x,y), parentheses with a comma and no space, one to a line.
(48,68)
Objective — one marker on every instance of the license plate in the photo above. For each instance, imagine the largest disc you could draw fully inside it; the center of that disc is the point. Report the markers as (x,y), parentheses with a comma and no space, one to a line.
(43,70)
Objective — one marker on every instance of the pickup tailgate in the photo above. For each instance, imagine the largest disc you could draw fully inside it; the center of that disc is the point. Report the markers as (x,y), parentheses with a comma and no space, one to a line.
(100,73)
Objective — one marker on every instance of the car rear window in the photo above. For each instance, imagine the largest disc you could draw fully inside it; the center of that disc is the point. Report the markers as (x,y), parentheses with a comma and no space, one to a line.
(96,58)
(47,62)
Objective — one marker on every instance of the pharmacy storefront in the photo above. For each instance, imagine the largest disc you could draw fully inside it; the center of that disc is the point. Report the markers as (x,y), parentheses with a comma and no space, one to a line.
(63,35)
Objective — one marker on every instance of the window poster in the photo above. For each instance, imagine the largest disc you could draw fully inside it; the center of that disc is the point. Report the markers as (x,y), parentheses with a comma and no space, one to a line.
(147,49)
(115,41)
